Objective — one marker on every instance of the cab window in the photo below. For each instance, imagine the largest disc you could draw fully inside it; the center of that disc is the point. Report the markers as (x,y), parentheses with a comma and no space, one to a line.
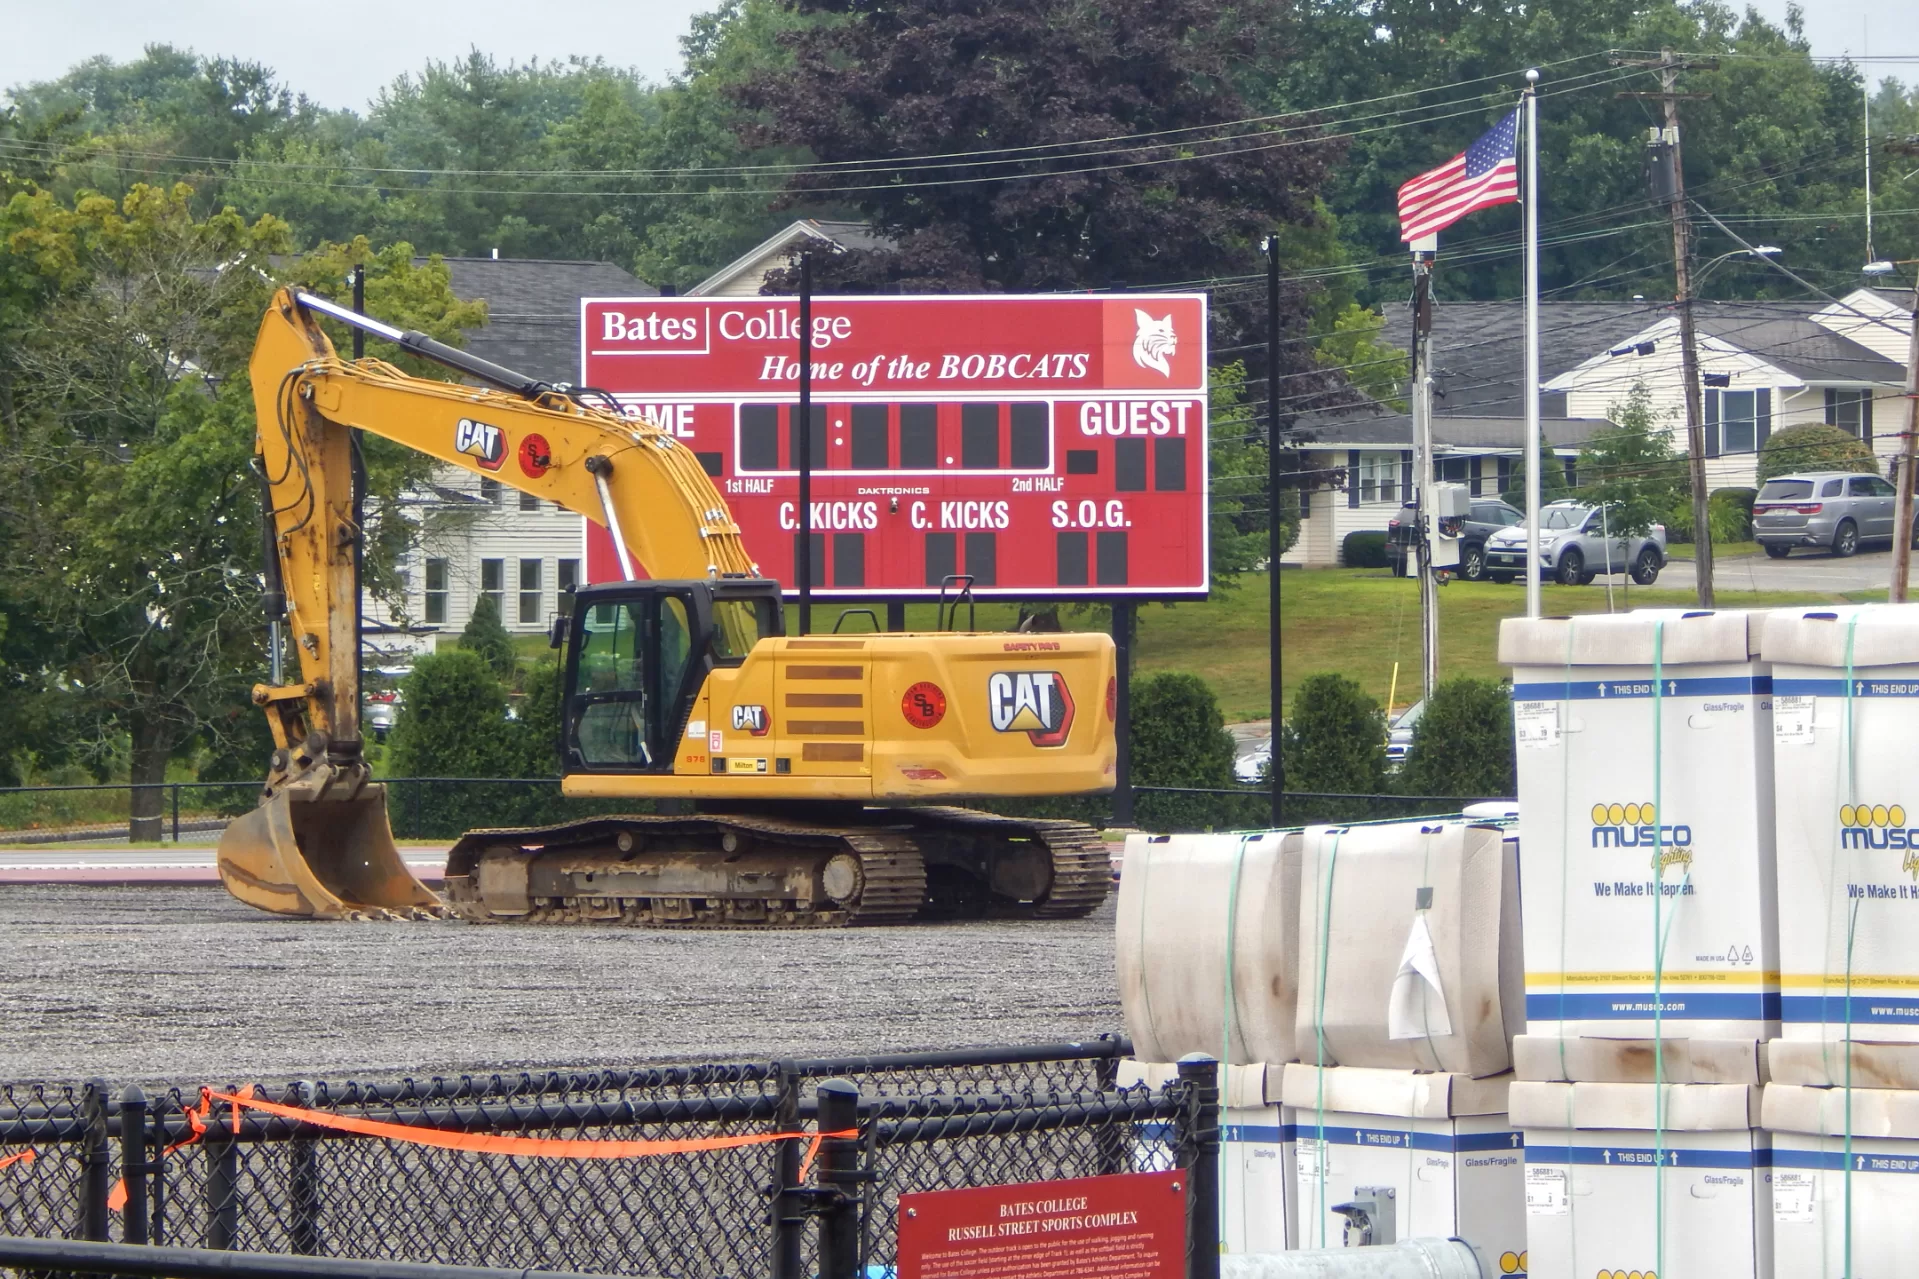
(738,625)
(607,723)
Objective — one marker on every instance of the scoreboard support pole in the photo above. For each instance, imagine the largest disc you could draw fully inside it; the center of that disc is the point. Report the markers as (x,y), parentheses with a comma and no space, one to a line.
(802,442)
(896,615)
(1123,712)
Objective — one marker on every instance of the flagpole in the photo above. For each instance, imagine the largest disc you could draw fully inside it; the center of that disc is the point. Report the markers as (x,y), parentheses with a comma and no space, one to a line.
(1533,460)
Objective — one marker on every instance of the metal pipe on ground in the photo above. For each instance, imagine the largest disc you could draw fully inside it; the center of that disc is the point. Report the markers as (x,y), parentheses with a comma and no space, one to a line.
(1408,1259)
(73,1256)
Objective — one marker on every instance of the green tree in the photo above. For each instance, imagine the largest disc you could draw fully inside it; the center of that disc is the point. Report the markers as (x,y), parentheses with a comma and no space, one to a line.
(452,721)
(539,721)
(1552,477)
(1631,468)
(486,635)
(1335,740)
(1375,367)
(1463,742)
(1813,448)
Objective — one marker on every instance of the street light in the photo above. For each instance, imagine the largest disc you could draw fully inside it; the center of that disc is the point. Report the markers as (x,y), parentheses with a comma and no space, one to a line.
(1757,251)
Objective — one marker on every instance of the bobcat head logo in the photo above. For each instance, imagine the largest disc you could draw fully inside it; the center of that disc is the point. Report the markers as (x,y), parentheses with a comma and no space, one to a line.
(1155,343)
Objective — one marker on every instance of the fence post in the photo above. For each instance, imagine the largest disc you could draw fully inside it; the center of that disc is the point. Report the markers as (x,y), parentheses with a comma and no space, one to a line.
(839,1164)
(223,1185)
(1199,1137)
(95,1162)
(303,1180)
(1110,1143)
(788,1210)
(133,1164)
(176,812)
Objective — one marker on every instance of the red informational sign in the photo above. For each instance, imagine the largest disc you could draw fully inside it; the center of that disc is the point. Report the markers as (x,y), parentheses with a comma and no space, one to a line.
(1046,445)
(1131,1226)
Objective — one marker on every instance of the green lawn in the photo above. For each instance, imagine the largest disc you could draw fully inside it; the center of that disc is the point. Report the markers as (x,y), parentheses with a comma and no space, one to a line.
(1360,622)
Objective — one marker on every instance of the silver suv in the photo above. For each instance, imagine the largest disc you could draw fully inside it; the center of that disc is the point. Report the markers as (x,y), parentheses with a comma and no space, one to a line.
(1832,509)
(1574,549)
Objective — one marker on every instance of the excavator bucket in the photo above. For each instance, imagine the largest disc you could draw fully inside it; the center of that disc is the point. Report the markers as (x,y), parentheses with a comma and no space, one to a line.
(324,853)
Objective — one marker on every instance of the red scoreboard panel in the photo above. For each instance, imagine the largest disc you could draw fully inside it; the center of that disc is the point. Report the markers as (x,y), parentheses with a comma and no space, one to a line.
(1046,445)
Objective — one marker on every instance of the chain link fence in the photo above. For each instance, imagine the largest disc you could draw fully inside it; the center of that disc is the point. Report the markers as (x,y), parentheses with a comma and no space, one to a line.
(259,1182)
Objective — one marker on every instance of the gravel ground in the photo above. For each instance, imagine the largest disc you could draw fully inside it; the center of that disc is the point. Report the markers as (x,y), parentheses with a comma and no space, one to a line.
(184,984)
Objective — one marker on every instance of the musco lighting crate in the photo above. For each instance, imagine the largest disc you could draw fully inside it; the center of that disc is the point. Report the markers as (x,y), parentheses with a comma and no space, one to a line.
(1845,741)
(1645,783)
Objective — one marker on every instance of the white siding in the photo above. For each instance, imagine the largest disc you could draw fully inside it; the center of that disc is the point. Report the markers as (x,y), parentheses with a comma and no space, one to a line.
(469,534)
(1892,339)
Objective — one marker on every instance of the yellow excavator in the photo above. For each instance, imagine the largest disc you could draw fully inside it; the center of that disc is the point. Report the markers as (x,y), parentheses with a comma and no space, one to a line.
(803,764)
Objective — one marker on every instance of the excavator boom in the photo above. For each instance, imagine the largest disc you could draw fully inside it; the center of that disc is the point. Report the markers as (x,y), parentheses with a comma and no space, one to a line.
(679,687)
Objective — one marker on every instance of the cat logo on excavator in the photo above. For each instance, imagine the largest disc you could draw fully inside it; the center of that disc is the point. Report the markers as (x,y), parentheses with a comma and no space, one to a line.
(1032,702)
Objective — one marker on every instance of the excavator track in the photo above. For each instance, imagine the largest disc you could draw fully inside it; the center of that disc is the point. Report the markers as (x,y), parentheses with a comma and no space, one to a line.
(1079,869)
(737,871)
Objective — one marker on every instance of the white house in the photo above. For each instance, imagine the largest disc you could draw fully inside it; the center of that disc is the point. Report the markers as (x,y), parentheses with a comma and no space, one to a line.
(745,275)
(481,537)
(1764,365)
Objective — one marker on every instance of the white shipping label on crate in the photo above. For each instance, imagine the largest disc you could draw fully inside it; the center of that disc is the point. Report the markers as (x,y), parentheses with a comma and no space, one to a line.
(1536,724)
(1545,1190)
(1792,719)
(1793,1195)
(1307,1156)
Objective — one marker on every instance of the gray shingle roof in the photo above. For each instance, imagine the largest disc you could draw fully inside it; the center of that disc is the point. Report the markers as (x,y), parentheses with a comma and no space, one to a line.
(1379,428)
(533,308)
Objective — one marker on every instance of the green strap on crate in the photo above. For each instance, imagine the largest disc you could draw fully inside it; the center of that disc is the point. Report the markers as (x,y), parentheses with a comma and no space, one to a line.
(1319,1019)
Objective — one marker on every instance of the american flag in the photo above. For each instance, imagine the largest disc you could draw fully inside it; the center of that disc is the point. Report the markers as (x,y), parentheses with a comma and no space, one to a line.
(1484,174)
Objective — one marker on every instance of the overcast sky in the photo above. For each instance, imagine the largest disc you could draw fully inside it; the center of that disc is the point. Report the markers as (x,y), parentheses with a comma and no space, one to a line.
(340,54)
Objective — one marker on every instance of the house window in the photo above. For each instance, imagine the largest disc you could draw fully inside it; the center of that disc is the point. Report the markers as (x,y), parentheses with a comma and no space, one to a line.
(436,591)
(489,490)
(1851,412)
(493,585)
(530,592)
(568,582)
(529,501)
(1737,421)
(1379,477)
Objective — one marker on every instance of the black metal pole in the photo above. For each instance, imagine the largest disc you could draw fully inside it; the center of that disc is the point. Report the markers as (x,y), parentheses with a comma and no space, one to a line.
(133,1163)
(788,1209)
(303,1179)
(222,1188)
(95,1161)
(839,1164)
(896,615)
(1272,515)
(803,441)
(1201,1141)
(1123,712)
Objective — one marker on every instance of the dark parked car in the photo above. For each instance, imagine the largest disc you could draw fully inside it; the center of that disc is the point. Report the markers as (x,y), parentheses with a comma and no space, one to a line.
(1489,515)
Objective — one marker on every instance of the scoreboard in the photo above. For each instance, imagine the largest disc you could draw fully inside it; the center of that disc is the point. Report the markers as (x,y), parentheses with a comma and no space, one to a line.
(1046,445)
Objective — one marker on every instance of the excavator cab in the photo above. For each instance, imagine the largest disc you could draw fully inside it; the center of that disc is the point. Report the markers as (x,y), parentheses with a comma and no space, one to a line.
(637,657)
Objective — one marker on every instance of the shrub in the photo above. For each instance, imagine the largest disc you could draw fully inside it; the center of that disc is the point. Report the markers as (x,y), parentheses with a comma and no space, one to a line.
(1463,742)
(1335,741)
(452,721)
(1813,448)
(1179,736)
(1365,549)
(486,635)
(1729,510)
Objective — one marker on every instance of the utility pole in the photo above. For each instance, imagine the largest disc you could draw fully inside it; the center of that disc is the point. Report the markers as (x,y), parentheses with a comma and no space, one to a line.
(1669,187)
(1272,514)
(1909,443)
(1426,525)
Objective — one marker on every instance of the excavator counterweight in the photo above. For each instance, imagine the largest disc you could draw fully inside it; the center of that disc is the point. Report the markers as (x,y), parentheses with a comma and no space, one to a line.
(808,762)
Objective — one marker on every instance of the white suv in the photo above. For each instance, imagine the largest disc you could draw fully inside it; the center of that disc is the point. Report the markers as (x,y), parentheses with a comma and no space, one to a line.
(1574,548)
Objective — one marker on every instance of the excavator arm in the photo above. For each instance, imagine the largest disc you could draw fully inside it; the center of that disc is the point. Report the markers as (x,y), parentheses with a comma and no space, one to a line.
(319,844)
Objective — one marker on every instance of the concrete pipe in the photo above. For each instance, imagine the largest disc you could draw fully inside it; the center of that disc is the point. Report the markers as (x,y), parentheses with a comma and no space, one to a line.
(1408,1259)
